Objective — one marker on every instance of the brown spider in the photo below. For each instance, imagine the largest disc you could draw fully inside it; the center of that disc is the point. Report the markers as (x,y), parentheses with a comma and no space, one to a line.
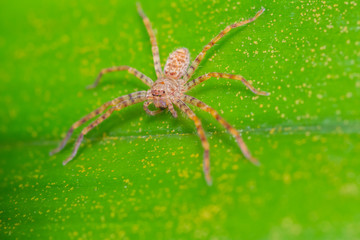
(168,89)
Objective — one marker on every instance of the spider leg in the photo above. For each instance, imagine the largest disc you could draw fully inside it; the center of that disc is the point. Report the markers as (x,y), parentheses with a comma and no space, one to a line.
(202,54)
(95,113)
(148,111)
(205,77)
(154,47)
(231,129)
(131,70)
(201,133)
(171,108)
(100,119)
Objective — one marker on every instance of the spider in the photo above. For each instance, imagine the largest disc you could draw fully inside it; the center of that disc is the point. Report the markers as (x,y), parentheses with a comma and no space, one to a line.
(168,90)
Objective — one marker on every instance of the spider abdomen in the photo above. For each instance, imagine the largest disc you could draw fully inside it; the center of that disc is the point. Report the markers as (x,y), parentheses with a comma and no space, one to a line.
(177,63)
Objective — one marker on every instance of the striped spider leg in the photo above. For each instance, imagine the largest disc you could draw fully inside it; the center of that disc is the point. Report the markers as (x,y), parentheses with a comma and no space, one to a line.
(119,102)
(116,105)
(168,90)
(206,163)
(193,101)
(202,54)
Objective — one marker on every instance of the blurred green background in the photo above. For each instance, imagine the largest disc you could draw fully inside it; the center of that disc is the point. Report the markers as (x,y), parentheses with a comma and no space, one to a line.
(140,177)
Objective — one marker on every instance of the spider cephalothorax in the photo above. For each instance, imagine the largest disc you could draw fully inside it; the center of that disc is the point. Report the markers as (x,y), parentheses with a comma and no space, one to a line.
(168,90)
(169,86)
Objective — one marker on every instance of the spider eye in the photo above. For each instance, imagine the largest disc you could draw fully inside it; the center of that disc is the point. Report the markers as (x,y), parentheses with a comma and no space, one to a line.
(158,92)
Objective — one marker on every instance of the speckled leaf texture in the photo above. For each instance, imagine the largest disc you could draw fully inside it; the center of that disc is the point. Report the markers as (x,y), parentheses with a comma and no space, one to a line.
(140,177)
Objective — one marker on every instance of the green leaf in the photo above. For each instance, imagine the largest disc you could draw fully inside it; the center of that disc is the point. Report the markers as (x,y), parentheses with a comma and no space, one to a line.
(140,177)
